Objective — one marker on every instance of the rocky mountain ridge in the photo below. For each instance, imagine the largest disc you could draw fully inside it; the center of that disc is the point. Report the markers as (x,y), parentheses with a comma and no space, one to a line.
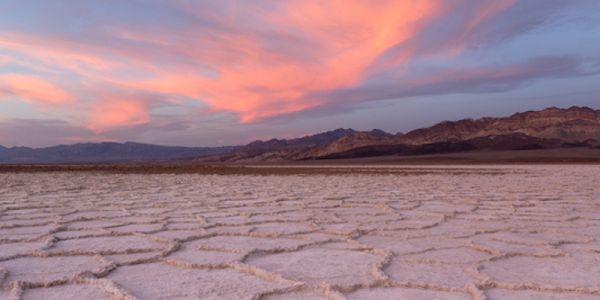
(549,128)
(571,125)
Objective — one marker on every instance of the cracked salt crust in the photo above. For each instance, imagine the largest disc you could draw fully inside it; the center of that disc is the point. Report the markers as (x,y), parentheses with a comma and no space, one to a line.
(164,281)
(502,232)
(67,292)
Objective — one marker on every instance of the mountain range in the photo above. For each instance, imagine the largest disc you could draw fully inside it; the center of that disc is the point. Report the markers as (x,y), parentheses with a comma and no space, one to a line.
(106,152)
(551,128)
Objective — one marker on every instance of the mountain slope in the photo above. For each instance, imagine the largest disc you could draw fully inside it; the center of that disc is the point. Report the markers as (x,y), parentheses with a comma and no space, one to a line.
(303,142)
(103,152)
(571,125)
(514,142)
(282,149)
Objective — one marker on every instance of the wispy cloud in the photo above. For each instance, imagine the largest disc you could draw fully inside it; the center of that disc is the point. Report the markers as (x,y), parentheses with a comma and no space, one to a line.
(33,89)
(256,60)
(112,113)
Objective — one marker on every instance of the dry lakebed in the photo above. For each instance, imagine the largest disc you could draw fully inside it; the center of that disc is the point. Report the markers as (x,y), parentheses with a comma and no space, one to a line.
(462,232)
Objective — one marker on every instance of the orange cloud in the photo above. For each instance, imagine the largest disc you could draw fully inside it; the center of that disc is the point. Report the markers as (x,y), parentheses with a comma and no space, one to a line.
(111,114)
(33,89)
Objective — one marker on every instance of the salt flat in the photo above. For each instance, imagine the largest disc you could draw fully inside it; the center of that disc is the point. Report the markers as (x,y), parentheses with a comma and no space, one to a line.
(487,232)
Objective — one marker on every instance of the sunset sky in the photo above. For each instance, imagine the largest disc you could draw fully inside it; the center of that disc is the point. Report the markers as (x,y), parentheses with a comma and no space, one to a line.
(209,73)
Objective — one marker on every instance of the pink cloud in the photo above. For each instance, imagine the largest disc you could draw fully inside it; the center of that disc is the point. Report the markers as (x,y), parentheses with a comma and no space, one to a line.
(257,82)
(111,114)
(255,75)
(33,89)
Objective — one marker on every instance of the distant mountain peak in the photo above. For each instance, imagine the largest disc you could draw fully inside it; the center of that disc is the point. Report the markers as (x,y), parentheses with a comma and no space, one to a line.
(307,141)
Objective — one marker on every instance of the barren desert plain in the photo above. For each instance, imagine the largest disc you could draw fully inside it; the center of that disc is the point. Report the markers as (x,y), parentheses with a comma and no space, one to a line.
(435,232)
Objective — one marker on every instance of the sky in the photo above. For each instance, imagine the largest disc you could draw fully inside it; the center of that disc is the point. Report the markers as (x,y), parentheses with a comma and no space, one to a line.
(212,73)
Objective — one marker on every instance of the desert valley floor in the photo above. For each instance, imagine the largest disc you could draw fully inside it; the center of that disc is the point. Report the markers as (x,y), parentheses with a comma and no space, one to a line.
(486,232)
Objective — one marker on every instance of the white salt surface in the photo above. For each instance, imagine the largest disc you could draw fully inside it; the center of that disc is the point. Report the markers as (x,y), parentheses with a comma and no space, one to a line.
(486,232)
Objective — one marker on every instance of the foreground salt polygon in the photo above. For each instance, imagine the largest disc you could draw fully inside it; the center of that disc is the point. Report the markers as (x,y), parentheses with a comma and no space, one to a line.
(518,232)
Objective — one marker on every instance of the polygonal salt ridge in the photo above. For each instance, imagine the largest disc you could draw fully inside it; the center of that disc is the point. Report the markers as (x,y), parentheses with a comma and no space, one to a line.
(25,223)
(452,229)
(150,211)
(583,223)
(3,275)
(182,235)
(577,249)
(172,225)
(406,291)
(132,219)
(228,230)
(93,224)
(342,268)
(34,271)
(191,257)
(241,204)
(170,281)
(267,212)
(213,212)
(444,205)
(320,237)
(502,249)
(86,215)
(341,229)
(431,274)
(550,274)
(139,228)
(19,249)
(281,229)
(250,244)
(28,214)
(537,237)
(351,211)
(81,288)
(108,245)
(406,244)
(300,292)
(499,294)
(138,258)
(451,255)
(292,215)
(585,211)
(66,234)
(186,214)
(27,233)
(258,218)
(319,204)
(230,219)
(402,224)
